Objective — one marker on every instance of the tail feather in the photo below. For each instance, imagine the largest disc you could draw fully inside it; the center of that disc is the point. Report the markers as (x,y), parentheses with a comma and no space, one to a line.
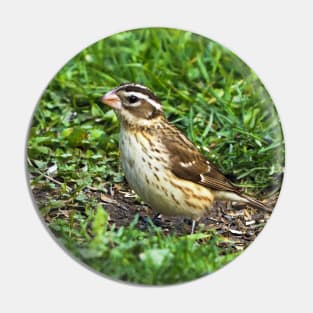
(257,204)
(238,196)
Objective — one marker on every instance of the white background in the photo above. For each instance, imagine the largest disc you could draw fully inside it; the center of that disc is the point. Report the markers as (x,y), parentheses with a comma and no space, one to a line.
(274,38)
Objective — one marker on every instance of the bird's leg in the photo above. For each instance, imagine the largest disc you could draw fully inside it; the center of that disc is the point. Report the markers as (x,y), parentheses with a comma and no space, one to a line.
(193,226)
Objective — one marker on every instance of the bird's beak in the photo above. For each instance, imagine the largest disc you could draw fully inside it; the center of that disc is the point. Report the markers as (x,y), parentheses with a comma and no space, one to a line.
(112,100)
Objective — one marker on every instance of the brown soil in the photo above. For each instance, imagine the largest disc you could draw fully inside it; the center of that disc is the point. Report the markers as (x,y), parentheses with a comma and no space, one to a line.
(239,223)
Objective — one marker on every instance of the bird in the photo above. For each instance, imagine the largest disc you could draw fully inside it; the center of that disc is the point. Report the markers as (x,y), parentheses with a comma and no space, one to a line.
(161,164)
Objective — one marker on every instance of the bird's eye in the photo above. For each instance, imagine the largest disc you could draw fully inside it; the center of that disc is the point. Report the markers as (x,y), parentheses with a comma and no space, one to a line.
(132,99)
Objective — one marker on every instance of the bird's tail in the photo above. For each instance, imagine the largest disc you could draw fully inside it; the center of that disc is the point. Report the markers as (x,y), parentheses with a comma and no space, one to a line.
(256,203)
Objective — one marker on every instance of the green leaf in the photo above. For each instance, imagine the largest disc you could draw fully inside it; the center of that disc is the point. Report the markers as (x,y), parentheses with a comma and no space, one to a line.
(100,222)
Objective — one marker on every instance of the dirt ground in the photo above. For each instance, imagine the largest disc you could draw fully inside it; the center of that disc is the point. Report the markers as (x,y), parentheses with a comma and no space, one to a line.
(238,223)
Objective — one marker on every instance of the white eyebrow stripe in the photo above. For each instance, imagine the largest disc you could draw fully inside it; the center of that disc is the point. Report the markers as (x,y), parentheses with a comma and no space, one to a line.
(137,94)
(140,95)
(155,104)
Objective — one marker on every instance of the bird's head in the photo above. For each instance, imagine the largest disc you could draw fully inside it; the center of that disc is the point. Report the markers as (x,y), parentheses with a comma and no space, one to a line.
(134,104)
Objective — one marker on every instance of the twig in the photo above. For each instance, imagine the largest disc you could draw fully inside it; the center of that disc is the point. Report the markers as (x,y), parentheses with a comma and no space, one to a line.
(47,176)
(96,189)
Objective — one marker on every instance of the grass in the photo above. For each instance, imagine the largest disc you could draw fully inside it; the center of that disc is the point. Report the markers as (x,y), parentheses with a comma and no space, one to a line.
(149,258)
(206,91)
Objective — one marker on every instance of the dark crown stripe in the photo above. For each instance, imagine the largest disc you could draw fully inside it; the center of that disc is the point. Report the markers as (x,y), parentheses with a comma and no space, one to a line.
(136,88)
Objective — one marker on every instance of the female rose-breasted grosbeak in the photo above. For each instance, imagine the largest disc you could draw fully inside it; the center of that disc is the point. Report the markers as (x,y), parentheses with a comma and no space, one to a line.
(160,164)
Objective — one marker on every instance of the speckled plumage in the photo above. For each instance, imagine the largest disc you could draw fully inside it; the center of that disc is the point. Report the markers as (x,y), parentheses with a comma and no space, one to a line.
(160,164)
(147,169)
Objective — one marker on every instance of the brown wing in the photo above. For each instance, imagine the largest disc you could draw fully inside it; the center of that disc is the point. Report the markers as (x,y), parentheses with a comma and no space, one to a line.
(189,164)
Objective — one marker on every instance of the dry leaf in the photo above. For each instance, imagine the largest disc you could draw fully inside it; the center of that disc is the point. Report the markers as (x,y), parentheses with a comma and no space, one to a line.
(235,232)
(107,199)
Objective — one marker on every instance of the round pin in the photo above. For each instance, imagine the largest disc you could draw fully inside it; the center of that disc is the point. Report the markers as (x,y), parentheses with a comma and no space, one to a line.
(155,156)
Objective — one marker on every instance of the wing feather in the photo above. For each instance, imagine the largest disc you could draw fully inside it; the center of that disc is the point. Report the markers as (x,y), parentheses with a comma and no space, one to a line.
(189,164)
